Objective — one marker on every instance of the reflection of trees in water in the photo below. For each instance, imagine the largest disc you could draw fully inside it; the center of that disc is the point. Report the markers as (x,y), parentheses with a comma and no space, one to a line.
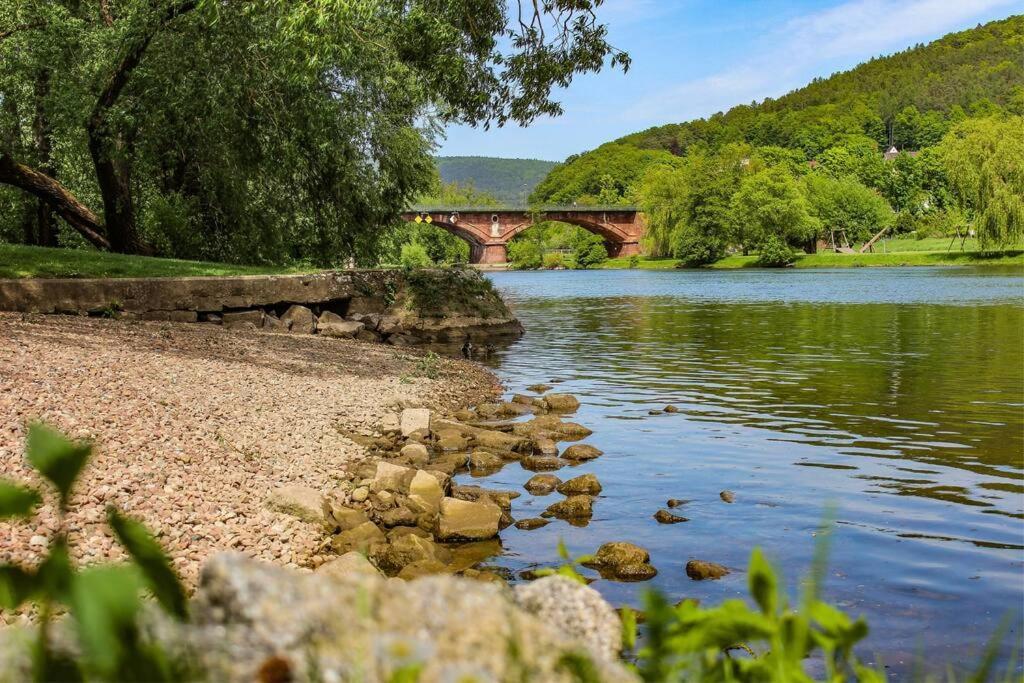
(933,383)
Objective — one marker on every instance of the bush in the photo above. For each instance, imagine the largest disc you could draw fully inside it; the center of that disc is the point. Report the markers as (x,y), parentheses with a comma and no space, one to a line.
(554,260)
(414,255)
(774,252)
(634,261)
(525,254)
(694,249)
(589,251)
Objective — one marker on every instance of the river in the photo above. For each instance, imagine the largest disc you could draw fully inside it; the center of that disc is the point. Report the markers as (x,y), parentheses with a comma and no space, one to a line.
(892,396)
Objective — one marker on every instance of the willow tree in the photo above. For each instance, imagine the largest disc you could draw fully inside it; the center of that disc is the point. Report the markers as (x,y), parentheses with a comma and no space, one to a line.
(984,164)
(263,124)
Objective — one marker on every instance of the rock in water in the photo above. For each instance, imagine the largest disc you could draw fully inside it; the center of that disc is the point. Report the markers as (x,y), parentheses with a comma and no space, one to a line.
(573,507)
(666,517)
(581,451)
(463,520)
(586,484)
(348,565)
(542,484)
(541,463)
(561,403)
(575,610)
(414,419)
(675,502)
(670,409)
(699,570)
(531,523)
(539,388)
(300,501)
(622,561)
(727,496)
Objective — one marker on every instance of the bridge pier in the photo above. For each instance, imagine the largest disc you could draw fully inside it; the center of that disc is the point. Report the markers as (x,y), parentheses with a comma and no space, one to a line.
(624,249)
(492,252)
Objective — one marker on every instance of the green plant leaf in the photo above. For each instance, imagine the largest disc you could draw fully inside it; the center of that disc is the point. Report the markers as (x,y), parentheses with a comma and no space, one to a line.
(55,574)
(628,628)
(57,458)
(156,568)
(17,501)
(763,584)
(105,603)
(16,586)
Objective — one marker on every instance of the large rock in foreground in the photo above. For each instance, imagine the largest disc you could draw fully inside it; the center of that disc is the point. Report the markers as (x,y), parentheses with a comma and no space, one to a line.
(248,616)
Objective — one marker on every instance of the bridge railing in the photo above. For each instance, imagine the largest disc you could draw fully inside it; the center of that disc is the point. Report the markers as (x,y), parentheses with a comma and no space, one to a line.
(544,208)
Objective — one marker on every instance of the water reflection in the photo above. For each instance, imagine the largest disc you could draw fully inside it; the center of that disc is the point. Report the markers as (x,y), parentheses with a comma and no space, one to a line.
(896,394)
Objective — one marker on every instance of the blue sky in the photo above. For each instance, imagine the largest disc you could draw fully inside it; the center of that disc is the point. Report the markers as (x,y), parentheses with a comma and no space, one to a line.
(692,58)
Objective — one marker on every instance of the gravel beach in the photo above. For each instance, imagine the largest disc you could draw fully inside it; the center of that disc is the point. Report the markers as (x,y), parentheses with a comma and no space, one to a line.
(194,425)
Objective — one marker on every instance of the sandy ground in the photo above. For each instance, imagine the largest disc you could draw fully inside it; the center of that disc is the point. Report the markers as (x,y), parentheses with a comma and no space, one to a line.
(194,425)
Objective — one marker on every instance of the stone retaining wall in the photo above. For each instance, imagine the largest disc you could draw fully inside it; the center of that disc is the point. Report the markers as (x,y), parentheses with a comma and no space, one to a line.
(374,305)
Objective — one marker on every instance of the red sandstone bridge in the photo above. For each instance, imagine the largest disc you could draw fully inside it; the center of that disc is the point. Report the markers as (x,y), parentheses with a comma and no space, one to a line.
(489,231)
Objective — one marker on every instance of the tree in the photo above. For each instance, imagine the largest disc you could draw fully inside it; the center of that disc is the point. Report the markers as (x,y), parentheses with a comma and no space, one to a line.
(770,209)
(589,250)
(984,161)
(257,109)
(844,204)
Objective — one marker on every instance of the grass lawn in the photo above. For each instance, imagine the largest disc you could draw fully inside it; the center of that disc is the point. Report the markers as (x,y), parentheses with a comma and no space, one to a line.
(18,261)
(893,257)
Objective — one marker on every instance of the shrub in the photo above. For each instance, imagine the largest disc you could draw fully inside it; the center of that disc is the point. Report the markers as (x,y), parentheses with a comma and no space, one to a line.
(589,250)
(695,249)
(634,261)
(774,252)
(525,254)
(554,260)
(414,255)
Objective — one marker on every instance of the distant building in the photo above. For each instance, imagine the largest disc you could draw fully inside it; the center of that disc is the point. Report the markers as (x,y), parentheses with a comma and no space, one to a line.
(892,153)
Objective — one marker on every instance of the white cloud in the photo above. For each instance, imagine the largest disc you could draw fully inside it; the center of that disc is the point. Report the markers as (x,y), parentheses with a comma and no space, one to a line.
(793,52)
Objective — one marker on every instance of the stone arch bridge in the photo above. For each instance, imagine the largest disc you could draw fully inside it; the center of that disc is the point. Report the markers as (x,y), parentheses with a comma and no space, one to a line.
(489,231)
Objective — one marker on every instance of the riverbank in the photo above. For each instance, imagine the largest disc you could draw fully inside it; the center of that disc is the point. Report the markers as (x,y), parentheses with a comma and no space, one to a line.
(833,260)
(195,425)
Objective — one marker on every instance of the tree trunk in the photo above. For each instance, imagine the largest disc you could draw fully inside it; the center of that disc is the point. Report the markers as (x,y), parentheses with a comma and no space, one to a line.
(45,228)
(107,148)
(67,206)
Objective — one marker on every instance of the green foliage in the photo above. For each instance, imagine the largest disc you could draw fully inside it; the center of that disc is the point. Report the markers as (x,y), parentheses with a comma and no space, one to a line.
(984,161)
(769,210)
(589,250)
(507,181)
(845,204)
(414,255)
(525,254)
(238,131)
(607,174)
(554,261)
(104,601)
(774,252)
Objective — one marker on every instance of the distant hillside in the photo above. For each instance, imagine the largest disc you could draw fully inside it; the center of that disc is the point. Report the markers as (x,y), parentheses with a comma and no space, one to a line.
(911,98)
(508,180)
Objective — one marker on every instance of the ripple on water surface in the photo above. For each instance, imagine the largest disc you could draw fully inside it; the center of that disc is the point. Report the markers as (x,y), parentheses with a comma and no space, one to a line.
(892,394)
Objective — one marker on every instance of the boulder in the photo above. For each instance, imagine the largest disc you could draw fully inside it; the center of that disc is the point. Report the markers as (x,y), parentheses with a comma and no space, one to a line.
(574,610)
(451,440)
(414,419)
(248,614)
(415,453)
(541,463)
(587,484)
(495,440)
(328,318)
(727,496)
(429,567)
(346,329)
(399,516)
(542,484)
(502,499)
(299,319)
(427,487)
(544,445)
(361,538)
(573,507)
(531,523)
(622,561)
(343,517)
(272,323)
(675,502)
(299,501)
(244,320)
(404,550)
(699,570)
(463,520)
(368,336)
(561,403)
(482,460)
(581,451)
(539,388)
(349,565)
(670,409)
(666,517)
(389,477)
(506,409)
(360,494)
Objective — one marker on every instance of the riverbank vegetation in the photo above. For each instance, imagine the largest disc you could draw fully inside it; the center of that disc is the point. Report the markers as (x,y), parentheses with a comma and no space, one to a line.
(926,142)
(238,131)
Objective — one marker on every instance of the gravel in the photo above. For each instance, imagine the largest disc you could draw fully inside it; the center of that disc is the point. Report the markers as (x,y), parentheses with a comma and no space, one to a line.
(194,425)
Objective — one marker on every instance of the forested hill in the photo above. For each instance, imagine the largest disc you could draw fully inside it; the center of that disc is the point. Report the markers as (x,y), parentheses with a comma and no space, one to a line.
(508,180)
(915,96)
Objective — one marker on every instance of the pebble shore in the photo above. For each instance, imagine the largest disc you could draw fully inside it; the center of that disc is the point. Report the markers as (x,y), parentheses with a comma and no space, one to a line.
(194,425)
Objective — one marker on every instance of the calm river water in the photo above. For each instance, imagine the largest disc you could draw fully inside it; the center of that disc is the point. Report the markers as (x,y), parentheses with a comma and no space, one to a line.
(893,395)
